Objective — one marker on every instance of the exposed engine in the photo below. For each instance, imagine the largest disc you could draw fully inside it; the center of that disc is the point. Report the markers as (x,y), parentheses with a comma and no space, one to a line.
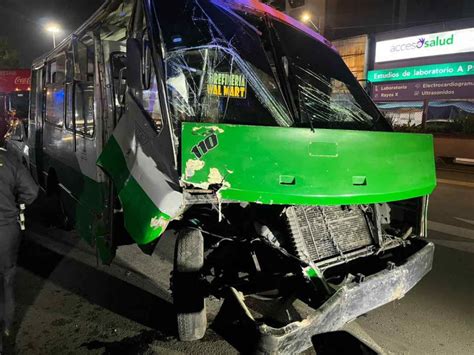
(320,233)
(319,237)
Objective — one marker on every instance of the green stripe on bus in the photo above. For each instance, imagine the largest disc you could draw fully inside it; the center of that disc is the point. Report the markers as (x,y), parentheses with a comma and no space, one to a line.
(142,219)
(112,160)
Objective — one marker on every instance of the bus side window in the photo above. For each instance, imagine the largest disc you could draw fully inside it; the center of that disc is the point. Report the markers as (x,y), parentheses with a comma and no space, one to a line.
(55,91)
(83,89)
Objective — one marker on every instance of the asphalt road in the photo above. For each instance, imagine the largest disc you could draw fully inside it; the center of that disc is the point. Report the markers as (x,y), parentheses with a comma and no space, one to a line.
(437,316)
(67,304)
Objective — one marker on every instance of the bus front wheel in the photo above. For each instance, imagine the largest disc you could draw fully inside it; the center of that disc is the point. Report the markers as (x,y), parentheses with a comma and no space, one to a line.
(188,293)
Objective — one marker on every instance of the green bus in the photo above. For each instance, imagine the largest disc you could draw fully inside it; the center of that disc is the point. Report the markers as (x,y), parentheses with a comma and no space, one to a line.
(243,133)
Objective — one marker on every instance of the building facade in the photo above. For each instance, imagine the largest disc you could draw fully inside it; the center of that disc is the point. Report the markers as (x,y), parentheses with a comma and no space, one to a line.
(424,76)
(422,79)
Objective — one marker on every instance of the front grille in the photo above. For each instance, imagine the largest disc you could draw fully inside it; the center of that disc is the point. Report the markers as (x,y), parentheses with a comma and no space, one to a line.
(323,232)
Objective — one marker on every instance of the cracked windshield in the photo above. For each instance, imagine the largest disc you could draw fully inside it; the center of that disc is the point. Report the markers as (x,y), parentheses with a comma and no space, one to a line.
(288,87)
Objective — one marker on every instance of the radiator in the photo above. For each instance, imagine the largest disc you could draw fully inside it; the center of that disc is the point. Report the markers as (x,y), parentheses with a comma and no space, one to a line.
(322,232)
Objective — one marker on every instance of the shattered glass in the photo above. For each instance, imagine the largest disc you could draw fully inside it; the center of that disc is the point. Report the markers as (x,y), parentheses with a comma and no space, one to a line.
(325,92)
(203,42)
(291,79)
(213,84)
(327,100)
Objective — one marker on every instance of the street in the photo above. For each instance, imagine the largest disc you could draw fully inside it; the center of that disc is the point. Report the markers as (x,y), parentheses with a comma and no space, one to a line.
(68,305)
(437,317)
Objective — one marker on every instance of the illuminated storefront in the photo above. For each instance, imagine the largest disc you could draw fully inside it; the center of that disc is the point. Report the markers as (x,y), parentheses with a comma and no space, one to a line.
(422,78)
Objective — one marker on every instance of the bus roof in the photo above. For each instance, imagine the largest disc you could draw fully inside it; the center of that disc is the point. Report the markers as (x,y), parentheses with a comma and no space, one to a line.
(248,5)
(259,7)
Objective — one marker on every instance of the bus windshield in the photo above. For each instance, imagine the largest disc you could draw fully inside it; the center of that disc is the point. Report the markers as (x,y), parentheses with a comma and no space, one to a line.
(230,66)
(324,91)
(214,84)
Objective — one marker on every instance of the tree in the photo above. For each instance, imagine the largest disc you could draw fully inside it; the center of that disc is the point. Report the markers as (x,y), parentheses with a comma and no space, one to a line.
(8,55)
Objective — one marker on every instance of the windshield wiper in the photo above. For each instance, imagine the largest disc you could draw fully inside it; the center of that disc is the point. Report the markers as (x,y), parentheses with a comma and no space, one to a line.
(311,123)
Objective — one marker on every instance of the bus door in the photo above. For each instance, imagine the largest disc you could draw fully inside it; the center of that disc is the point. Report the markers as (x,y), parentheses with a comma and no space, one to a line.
(56,141)
(111,64)
(35,124)
(83,108)
(81,100)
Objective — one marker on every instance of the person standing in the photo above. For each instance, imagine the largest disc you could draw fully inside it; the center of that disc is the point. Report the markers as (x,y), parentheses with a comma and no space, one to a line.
(16,187)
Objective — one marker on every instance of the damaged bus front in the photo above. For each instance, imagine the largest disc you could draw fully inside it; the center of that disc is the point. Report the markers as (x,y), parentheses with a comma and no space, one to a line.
(244,132)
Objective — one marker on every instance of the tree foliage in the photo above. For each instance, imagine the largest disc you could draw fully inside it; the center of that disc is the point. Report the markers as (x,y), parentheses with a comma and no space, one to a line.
(8,55)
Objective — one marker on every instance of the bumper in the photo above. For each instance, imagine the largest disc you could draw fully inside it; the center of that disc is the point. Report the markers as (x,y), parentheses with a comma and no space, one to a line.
(347,304)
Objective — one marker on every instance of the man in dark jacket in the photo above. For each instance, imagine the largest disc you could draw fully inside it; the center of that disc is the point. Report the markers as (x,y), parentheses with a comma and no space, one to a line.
(16,187)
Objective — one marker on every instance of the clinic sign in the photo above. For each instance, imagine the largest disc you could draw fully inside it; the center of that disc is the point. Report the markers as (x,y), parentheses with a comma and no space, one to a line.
(427,45)
(422,72)
(446,89)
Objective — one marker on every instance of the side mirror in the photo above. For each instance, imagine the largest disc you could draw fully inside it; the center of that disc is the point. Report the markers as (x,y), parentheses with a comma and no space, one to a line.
(134,64)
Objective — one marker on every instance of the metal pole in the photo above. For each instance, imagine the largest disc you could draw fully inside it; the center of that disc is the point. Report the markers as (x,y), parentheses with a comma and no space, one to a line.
(426,104)
(54,40)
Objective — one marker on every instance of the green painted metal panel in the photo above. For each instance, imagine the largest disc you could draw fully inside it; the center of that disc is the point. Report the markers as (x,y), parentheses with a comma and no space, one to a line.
(278,165)
(142,219)
(86,205)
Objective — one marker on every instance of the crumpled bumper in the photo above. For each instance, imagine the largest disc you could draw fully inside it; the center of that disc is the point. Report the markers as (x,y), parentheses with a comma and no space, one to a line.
(347,304)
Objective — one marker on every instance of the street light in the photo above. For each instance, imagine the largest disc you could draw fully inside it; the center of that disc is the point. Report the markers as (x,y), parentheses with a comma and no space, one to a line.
(306,18)
(53,28)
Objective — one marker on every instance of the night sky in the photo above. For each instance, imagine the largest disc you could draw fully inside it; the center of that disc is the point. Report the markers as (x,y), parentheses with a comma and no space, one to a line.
(22,23)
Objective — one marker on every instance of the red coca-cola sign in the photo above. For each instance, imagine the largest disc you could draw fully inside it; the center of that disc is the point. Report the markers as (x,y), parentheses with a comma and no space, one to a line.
(15,80)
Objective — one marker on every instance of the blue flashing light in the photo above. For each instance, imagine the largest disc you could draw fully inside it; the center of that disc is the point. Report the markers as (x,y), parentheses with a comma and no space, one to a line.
(58,97)
(177,39)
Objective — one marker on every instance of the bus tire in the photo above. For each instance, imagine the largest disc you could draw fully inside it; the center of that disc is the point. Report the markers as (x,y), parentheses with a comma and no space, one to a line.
(189,251)
(188,293)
